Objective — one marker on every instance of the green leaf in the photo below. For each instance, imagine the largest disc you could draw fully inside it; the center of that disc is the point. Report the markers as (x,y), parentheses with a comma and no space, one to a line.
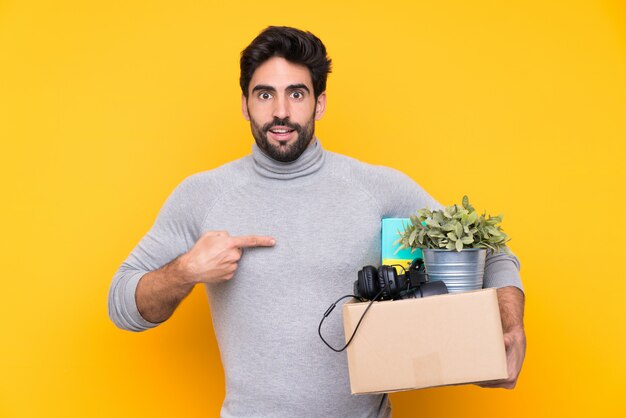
(412,237)
(451,236)
(492,230)
(420,236)
(425,213)
(467,240)
(448,226)
(432,223)
(459,245)
(435,233)
(490,246)
(458,229)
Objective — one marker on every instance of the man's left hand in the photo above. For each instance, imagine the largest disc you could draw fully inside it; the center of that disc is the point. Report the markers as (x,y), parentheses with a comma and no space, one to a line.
(515,344)
(511,301)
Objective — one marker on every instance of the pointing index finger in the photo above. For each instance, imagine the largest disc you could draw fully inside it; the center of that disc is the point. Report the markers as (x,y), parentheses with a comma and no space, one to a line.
(248,241)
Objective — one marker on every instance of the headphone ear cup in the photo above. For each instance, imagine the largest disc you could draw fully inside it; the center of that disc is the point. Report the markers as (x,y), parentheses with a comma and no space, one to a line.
(368,281)
(387,280)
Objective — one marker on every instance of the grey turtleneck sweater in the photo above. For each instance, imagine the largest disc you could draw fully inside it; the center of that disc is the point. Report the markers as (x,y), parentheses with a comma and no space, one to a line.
(324,210)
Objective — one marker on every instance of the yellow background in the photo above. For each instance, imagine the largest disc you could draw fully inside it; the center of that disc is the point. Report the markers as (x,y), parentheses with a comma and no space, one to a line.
(106,106)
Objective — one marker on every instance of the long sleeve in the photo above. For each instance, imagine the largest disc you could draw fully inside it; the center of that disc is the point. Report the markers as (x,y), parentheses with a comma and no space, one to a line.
(502,270)
(174,232)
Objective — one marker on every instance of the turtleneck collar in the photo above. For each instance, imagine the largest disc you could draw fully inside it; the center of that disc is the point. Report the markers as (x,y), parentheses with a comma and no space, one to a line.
(309,162)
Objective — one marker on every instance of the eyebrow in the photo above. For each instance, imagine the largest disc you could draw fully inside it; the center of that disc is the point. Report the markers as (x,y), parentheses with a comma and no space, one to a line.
(289,87)
(263,87)
(298,86)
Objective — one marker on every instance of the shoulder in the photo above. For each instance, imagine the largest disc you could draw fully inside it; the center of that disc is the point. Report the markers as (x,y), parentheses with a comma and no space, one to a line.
(195,194)
(217,179)
(373,177)
(191,200)
(364,172)
(395,192)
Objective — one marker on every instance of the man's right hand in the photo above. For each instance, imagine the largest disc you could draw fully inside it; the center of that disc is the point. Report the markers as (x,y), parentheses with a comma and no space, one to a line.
(214,257)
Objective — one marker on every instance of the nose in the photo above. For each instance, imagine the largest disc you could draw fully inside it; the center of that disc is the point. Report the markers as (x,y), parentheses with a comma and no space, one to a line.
(281,108)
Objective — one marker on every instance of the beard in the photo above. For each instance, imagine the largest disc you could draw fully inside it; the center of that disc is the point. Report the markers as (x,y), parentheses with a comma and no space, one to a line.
(284,153)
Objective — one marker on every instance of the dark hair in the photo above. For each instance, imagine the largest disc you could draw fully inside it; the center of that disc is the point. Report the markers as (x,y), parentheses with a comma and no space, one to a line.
(291,44)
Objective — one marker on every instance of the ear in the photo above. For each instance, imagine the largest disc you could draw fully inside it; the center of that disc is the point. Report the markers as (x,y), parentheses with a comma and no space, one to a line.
(320,106)
(244,107)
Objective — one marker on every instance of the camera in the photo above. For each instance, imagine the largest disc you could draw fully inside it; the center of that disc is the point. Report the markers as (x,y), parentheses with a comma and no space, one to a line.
(384,283)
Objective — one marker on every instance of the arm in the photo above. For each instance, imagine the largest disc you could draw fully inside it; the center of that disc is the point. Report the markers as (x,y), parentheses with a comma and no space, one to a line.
(172,257)
(173,233)
(159,292)
(511,301)
(502,272)
(212,259)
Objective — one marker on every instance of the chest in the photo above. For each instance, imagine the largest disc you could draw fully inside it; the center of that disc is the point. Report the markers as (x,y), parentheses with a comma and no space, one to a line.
(319,224)
(324,234)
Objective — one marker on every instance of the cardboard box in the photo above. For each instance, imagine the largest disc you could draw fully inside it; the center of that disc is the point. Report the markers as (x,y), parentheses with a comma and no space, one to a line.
(389,234)
(417,343)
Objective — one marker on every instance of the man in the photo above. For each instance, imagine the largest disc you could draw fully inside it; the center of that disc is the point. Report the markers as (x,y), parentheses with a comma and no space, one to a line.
(317,215)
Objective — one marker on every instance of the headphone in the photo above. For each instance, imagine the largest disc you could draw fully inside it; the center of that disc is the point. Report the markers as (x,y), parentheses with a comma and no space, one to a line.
(391,285)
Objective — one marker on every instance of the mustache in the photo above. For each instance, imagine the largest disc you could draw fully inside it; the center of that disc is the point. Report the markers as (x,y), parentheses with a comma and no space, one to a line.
(282,122)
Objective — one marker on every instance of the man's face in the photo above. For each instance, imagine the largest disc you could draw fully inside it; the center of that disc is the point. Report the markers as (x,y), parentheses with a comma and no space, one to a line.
(282,109)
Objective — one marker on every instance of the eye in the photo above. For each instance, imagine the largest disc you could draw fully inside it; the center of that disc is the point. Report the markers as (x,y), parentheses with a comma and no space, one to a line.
(265,95)
(297,95)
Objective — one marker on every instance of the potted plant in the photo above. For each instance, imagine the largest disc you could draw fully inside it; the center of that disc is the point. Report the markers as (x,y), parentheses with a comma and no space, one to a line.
(454,243)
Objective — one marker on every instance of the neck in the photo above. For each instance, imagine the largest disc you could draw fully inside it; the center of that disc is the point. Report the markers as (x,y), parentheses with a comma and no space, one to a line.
(309,162)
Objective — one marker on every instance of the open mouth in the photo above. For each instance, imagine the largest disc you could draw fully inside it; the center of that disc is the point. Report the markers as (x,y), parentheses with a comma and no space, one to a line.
(281,131)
